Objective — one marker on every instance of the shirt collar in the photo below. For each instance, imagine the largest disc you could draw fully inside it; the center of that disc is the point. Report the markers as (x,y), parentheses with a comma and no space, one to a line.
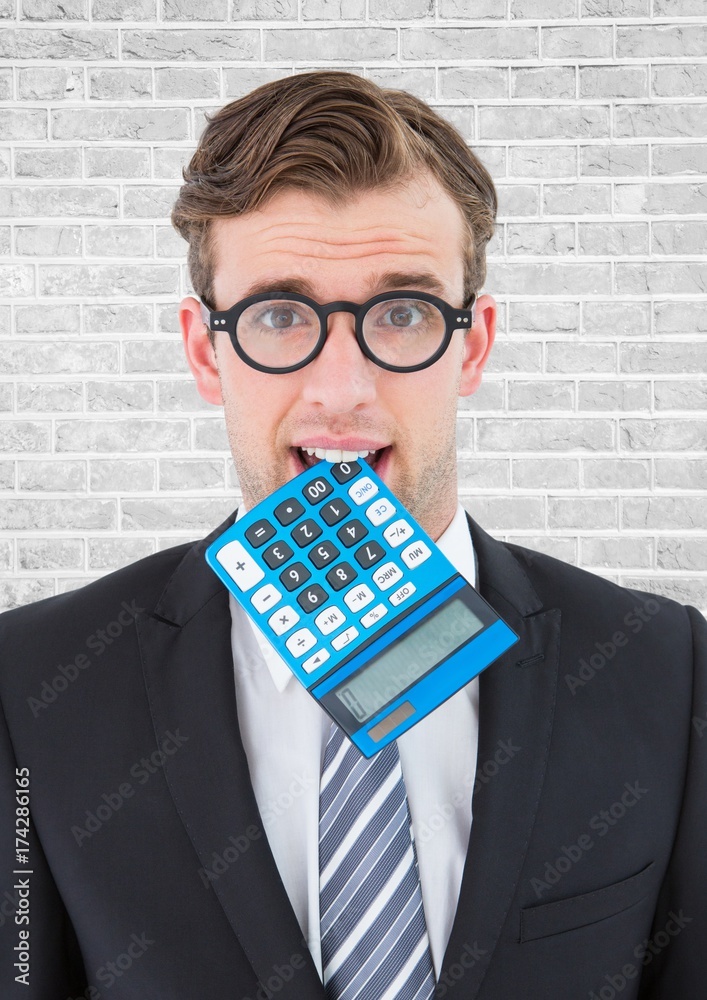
(455,542)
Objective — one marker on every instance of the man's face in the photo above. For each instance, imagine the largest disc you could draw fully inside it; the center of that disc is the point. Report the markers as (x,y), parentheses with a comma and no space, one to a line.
(407,237)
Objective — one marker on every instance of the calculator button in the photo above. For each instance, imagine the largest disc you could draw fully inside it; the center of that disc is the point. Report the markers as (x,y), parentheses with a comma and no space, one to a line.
(334,511)
(283,620)
(344,471)
(362,490)
(239,565)
(300,641)
(351,532)
(402,594)
(317,490)
(380,511)
(329,620)
(294,576)
(259,533)
(306,532)
(288,511)
(312,597)
(339,576)
(315,660)
(265,598)
(321,555)
(369,554)
(344,638)
(358,597)
(397,533)
(415,553)
(375,614)
(387,575)
(277,554)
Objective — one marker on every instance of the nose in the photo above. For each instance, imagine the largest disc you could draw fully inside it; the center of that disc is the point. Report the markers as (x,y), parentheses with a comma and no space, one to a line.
(341,377)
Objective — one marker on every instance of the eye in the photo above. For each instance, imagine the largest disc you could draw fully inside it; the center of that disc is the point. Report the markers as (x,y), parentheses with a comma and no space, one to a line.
(282,316)
(402,314)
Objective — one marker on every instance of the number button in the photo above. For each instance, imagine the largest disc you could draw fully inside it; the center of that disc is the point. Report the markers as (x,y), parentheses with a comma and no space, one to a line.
(239,565)
(259,533)
(294,576)
(380,511)
(351,532)
(358,597)
(362,490)
(306,532)
(312,597)
(265,598)
(317,490)
(345,471)
(277,554)
(283,620)
(369,554)
(397,533)
(334,511)
(322,555)
(288,511)
(300,641)
(329,620)
(340,575)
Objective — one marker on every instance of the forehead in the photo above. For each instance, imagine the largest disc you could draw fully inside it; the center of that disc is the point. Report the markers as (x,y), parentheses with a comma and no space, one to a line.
(414,229)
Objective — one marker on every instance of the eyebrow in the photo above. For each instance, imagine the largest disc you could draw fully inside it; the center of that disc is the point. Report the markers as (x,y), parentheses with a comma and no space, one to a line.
(423,281)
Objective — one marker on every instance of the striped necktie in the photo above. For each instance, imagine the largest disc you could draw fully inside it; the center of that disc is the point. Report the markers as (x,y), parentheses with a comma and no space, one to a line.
(373,931)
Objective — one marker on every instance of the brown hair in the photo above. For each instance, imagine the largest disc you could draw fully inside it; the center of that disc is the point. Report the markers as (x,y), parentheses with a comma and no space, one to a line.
(335,134)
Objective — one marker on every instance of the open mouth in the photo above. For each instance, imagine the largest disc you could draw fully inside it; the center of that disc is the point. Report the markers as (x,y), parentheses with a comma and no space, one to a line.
(311,456)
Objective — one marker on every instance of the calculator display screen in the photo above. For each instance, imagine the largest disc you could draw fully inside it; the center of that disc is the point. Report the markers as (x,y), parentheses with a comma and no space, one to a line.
(407,660)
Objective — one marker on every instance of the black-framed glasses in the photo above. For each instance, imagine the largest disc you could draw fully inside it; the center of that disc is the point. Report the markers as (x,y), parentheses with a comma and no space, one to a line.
(280,332)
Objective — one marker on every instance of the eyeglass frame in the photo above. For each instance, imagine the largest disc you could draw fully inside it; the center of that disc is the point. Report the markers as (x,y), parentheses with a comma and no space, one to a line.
(227,319)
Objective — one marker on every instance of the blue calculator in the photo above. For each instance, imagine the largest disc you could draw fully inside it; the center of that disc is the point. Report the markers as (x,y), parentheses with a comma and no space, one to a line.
(362,605)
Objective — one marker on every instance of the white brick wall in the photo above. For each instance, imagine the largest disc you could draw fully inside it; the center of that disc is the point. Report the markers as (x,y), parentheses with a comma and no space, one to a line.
(588,438)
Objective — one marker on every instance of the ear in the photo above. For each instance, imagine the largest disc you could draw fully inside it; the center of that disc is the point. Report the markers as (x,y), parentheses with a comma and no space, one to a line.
(201,356)
(477,345)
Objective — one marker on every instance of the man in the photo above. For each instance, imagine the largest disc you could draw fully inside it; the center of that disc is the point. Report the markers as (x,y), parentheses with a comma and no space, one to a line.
(172,765)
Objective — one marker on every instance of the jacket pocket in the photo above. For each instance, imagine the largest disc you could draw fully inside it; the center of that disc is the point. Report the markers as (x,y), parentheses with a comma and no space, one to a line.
(577,911)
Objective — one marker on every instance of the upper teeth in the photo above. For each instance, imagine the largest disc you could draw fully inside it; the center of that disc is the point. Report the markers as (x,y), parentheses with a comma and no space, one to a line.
(337,455)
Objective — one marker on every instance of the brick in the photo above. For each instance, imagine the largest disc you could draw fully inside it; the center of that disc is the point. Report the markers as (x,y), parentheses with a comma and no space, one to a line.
(180,396)
(6,555)
(544,434)
(552,317)
(23,123)
(543,10)
(680,159)
(582,512)
(672,513)
(679,8)
(609,552)
(240,80)
(6,397)
(50,553)
(659,278)
(29,357)
(17,593)
(123,475)
(118,318)
(613,81)
(615,8)
(404,10)
(121,395)
(129,10)
(681,473)
(559,547)
(493,158)
(473,83)
(24,435)
(661,199)
(27,201)
(124,84)
(485,473)
(543,161)
(489,396)
(577,199)
(543,395)
(544,122)
(169,163)
(616,473)
(184,10)
(680,81)
(619,395)
(682,554)
(168,243)
(545,473)
(679,237)
(134,434)
(17,279)
(154,356)
(5,241)
(621,319)
(153,201)
(47,43)
(555,82)
(419,81)
(664,434)
(194,513)
(661,40)
(191,474)
(52,476)
(49,397)
(344,10)
(680,317)
(654,120)
(460,10)
(545,239)
(179,83)
(580,357)
(507,357)
(501,512)
(117,161)
(680,395)
(191,44)
(581,42)
(614,239)
(613,160)
(49,162)
(458,43)
(264,10)
(48,241)
(54,10)
(6,87)
(168,318)
(47,318)
(96,124)
(517,200)
(57,515)
(462,118)
(555,278)
(663,358)
(50,83)
(113,553)
(118,241)
(108,279)
(210,434)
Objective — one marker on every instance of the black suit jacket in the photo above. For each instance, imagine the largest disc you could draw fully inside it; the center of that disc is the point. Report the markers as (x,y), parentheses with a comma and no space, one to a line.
(151,877)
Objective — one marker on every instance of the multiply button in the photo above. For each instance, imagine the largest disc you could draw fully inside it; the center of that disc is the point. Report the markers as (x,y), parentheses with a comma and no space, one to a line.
(397,533)
(283,620)
(288,511)
(362,490)
(240,566)
(259,533)
(415,553)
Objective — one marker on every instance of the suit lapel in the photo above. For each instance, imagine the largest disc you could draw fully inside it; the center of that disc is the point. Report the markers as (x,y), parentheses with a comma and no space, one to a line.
(516,704)
(188,665)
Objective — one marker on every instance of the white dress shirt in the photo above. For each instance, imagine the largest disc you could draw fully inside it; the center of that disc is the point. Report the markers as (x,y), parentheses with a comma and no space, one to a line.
(284,733)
